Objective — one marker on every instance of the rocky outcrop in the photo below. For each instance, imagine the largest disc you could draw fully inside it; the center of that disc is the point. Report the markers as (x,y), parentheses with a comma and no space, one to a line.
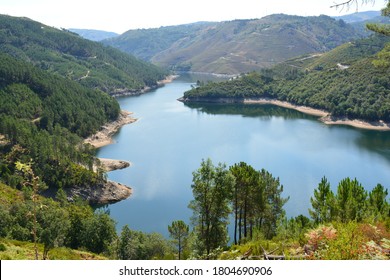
(112,164)
(104,193)
(104,136)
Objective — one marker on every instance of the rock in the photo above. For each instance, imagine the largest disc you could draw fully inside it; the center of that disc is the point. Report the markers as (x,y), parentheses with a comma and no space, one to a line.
(104,193)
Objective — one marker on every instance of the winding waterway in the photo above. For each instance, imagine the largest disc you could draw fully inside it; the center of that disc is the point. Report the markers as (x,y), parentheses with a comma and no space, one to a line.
(170,139)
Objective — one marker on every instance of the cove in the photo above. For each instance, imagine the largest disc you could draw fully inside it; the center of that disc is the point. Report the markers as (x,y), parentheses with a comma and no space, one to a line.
(170,139)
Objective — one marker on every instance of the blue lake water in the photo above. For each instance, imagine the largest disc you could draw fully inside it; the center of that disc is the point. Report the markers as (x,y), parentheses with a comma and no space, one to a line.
(170,139)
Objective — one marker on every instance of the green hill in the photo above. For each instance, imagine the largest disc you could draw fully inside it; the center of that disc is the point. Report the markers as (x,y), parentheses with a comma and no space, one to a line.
(237,46)
(67,54)
(344,82)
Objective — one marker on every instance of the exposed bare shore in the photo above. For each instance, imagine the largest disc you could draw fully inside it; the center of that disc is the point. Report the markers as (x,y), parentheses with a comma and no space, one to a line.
(108,164)
(380,125)
(160,83)
(303,109)
(104,136)
(167,80)
(325,116)
(109,192)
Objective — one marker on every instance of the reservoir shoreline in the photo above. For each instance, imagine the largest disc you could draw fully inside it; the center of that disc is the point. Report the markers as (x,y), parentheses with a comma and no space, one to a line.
(324,116)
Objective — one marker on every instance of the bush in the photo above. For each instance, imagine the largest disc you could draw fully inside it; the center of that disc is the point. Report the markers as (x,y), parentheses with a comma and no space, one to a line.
(3,248)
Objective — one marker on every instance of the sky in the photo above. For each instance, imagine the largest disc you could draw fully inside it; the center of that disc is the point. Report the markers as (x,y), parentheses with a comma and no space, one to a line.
(122,15)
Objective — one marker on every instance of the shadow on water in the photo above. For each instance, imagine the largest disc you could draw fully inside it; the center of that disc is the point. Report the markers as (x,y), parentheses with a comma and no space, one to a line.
(250,110)
(376,141)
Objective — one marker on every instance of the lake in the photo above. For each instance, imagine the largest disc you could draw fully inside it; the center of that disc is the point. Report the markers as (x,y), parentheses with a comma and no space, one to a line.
(170,139)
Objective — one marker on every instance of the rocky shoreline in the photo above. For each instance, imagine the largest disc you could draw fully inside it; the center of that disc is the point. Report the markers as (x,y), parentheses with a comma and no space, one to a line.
(160,83)
(325,116)
(104,136)
(100,194)
(109,191)
(108,164)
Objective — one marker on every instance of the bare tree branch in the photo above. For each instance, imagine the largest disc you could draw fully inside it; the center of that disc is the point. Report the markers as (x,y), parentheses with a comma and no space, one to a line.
(348,4)
(336,5)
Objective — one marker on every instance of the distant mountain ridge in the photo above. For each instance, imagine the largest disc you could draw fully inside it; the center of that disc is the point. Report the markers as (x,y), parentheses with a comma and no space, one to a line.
(94,35)
(69,55)
(236,46)
(359,16)
(344,82)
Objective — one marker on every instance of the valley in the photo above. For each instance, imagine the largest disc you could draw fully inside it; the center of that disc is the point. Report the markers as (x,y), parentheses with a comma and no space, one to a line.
(286,141)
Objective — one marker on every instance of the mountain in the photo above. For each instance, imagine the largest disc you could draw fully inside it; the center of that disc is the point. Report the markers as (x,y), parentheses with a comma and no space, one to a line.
(146,43)
(93,35)
(359,16)
(348,82)
(236,46)
(67,54)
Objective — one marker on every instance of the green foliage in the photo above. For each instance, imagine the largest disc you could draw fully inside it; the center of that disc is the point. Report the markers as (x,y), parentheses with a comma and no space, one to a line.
(355,92)
(257,201)
(17,250)
(211,189)
(323,203)
(383,58)
(350,203)
(381,28)
(45,115)
(179,231)
(55,225)
(74,225)
(293,229)
(51,99)
(255,197)
(99,233)
(136,245)
(347,241)
(378,205)
(351,200)
(67,54)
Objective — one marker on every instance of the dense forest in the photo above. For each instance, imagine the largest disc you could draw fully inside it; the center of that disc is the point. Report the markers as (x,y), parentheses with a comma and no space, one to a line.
(66,53)
(53,93)
(349,223)
(350,81)
(43,120)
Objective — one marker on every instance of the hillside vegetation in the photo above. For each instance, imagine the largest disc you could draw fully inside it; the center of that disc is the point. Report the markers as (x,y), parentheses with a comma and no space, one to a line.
(343,82)
(237,46)
(43,118)
(69,55)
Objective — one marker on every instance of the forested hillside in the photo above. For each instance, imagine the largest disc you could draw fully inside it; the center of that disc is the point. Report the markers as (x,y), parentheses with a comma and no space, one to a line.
(344,82)
(69,55)
(43,117)
(238,46)
(348,224)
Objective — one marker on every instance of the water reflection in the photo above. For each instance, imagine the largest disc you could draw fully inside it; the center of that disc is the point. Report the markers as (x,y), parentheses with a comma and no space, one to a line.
(263,111)
(375,141)
(170,139)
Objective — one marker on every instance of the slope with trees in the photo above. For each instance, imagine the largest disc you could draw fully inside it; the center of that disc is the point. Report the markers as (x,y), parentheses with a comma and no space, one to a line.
(345,82)
(237,46)
(67,54)
(43,119)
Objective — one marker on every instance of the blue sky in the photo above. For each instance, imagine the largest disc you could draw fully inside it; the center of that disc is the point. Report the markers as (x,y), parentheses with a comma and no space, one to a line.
(122,15)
